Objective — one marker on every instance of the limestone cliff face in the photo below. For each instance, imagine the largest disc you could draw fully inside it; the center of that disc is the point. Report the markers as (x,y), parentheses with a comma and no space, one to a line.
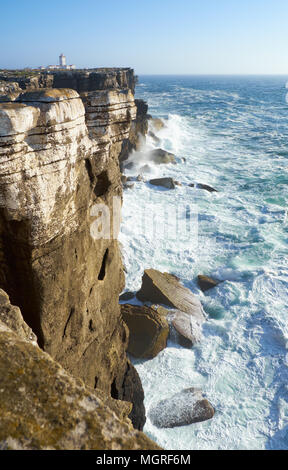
(59,155)
(43,407)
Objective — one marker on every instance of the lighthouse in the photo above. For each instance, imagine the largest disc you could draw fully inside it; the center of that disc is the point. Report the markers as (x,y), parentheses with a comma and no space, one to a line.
(62,60)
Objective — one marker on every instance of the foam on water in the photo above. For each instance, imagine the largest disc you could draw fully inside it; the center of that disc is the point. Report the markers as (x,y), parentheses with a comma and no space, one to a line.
(233,134)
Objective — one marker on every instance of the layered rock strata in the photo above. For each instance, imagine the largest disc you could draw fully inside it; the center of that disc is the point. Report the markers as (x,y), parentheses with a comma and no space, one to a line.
(59,156)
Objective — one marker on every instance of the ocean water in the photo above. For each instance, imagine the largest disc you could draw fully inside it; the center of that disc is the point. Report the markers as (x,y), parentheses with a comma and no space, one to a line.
(233,134)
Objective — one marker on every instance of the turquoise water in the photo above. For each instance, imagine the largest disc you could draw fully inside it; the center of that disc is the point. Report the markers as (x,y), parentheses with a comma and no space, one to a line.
(233,133)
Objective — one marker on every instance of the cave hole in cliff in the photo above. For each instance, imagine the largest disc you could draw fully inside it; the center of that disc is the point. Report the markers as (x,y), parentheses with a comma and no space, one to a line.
(102,271)
(114,390)
(102,184)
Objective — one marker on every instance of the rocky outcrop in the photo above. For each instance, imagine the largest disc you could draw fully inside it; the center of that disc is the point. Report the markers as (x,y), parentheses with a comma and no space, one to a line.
(186,407)
(132,392)
(160,156)
(167,183)
(206,282)
(148,331)
(42,407)
(59,156)
(188,328)
(157,123)
(206,187)
(11,317)
(165,288)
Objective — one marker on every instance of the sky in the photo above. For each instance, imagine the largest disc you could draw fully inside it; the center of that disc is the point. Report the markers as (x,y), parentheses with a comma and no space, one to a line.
(153,37)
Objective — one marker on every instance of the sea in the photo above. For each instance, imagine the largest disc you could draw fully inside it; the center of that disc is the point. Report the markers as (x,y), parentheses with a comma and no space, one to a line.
(231,133)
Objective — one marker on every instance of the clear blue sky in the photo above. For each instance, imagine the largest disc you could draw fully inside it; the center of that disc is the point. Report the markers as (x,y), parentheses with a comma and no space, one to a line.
(159,36)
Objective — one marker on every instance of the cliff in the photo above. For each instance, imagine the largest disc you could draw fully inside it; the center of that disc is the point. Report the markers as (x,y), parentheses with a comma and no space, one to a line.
(59,156)
(43,407)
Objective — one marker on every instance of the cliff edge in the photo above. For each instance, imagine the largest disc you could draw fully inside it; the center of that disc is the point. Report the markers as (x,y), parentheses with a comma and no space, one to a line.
(59,156)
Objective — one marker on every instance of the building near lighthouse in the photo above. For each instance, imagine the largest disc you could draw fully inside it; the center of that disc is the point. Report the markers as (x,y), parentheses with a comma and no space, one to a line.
(62,64)
(62,60)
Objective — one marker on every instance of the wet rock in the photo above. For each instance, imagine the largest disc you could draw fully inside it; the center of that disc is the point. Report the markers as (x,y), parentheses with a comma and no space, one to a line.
(157,123)
(127,296)
(164,182)
(184,408)
(206,282)
(164,288)
(145,169)
(128,185)
(203,186)
(148,330)
(124,179)
(160,156)
(154,137)
(140,178)
(162,311)
(133,392)
(187,327)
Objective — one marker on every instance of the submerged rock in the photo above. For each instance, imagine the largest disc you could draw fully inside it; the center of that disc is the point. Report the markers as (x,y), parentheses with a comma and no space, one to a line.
(186,407)
(203,186)
(206,282)
(148,330)
(164,182)
(165,288)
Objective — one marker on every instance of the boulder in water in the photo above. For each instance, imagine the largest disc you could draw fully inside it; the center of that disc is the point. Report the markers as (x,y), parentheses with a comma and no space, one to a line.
(148,330)
(188,328)
(186,407)
(154,137)
(203,186)
(165,288)
(164,182)
(206,282)
(157,123)
(159,156)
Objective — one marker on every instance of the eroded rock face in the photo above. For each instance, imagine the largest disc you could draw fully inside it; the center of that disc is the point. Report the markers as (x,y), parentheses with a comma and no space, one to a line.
(165,288)
(43,407)
(148,331)
(11,317)
(186,407)
(58,158)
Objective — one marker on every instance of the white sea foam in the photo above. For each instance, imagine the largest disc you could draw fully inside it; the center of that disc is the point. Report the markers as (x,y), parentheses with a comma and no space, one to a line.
(241,362)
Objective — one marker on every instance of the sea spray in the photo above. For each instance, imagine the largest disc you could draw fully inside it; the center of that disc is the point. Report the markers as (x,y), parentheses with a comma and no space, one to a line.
(233,134)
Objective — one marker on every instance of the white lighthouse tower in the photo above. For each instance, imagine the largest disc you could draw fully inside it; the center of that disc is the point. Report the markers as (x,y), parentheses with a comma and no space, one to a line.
(62,61)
